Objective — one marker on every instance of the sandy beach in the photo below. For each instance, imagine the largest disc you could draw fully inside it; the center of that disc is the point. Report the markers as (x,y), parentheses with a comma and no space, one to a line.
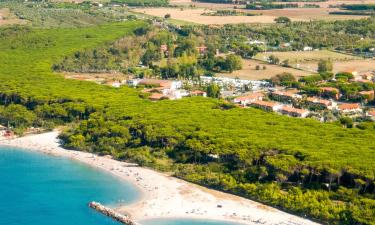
(164,196)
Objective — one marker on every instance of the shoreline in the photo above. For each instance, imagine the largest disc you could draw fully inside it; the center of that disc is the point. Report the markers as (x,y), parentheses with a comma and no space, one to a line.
(163,196)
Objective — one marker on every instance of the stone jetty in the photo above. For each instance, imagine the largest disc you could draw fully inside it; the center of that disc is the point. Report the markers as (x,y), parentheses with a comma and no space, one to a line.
(111,213)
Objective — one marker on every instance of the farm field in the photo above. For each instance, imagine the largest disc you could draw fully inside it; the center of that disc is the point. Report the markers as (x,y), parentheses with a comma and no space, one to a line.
(194,16)
(361,66)
(300,14)
(249,71)
(307,60)
(303,14)
(95,77)
(8,18)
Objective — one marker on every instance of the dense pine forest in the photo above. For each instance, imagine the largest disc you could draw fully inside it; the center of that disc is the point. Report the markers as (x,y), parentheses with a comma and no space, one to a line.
(322,171)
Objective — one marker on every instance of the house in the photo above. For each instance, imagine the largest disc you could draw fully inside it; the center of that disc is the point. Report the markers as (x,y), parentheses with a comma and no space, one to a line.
(115,84)
(256,42)
(198,93)
(307,48)
(368,95)
(247,99)
(350,108)
(157,96)
(201,49)
(351,71)
(367,76)
(363,81)
(163,48)
(371,114)
(267,106)
(166,84)
(320,103)
(294,112)
(285,96)
(330,92)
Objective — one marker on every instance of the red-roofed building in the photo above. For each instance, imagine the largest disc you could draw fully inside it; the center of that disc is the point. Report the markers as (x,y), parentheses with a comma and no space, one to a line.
(198,93)
(330,92)
(371,114)
(267,106)
(201,49)
(163,48)
(320,103)
(350,108)
(368,95)
(285,96)
(247,99)
(157,96)
(295,112)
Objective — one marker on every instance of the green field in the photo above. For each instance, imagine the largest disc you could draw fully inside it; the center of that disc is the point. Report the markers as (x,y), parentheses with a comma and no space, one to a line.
(259,152)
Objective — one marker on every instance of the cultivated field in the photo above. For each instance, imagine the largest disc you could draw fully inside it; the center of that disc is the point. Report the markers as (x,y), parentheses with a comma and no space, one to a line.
(306,56)
(249,71)
(308,60)
(300,14)
(361,66)
(99,78)
(8,18)
(194,15)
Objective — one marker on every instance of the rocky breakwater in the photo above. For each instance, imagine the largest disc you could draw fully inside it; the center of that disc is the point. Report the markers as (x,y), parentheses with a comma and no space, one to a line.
(111,213)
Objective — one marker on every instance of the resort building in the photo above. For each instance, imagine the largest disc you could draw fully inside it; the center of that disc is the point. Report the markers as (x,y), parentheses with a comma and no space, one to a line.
(285,96)
(294,112)
(330,92)
(247,99)
(350,108)
(371,114)
(157,96)
(320,103)
(198,93)
(201,49)
(367,95)
(267,106)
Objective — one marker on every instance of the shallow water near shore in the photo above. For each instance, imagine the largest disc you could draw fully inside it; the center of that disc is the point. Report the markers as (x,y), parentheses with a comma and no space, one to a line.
(185,222)
(37,189)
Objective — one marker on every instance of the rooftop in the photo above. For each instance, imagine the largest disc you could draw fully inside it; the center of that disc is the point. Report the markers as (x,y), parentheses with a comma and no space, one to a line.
(161,83)
(249,96)
(264,103)
(349,106)
(318,100)
(329,89)
(293,110)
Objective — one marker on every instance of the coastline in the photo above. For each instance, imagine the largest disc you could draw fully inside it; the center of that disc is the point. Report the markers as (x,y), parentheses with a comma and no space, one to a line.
(163,196)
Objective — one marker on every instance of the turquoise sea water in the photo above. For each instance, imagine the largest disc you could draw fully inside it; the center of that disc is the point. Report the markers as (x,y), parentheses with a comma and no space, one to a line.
(37,189)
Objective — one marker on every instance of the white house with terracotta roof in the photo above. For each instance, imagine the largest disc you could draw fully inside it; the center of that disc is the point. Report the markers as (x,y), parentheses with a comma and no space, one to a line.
(321,103)
(285,96)
(371,114)
(249,98)
(350,108)
(267,106)
(294,112)
(198,93)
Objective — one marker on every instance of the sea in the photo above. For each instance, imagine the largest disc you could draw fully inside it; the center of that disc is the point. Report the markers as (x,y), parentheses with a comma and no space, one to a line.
(39,189)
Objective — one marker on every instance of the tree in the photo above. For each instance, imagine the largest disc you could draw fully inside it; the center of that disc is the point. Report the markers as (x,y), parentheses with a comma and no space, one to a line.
(283,79)
(233,62)
(282,19)
(274,59)
(325,66)
(213,91)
